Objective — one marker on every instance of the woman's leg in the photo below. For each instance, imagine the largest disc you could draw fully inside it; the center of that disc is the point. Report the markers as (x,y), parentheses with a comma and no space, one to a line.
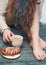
(9,16)
(41,41)
(9,19)
(34,30)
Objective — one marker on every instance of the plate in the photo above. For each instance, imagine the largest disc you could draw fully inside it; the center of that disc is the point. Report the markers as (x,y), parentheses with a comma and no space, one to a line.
(11,52)
(12,57)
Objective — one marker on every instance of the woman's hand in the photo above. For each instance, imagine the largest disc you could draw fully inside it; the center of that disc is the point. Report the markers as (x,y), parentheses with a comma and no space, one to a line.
(7,35)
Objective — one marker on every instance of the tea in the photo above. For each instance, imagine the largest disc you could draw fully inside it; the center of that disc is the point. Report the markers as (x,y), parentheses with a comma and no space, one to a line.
(17,38)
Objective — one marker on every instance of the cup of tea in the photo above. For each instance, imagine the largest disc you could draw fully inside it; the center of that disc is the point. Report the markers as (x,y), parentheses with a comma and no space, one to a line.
(17,40)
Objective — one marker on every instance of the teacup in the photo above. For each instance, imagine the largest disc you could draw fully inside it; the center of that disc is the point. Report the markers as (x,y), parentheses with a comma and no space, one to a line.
(17,40)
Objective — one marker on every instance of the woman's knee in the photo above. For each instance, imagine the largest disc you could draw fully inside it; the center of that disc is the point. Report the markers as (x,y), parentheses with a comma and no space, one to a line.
(9,19)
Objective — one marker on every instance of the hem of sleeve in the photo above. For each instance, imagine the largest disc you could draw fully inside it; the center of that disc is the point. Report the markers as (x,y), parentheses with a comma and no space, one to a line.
(5,29)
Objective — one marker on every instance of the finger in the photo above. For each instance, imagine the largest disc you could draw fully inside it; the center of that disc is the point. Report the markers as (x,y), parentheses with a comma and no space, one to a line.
(4,40)
(11,34)
(7,39)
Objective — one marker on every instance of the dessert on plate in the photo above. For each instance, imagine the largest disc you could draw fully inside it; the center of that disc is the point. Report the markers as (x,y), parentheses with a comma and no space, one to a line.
(11,52)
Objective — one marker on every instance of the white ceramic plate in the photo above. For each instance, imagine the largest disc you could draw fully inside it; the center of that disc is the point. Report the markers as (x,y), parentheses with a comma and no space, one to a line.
(12,57)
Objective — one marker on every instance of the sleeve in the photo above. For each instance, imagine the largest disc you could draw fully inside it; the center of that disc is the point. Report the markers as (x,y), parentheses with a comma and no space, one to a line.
(3,24)
(3,7)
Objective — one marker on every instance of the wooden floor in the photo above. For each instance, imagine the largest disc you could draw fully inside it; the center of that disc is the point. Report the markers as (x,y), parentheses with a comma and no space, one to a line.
(26,57)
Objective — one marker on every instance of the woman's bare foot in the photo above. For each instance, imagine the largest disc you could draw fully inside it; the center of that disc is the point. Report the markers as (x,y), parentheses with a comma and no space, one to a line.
(42,43)
(37,51)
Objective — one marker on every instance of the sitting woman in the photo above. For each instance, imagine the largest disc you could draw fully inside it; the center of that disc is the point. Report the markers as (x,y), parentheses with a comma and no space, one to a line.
(28,14)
